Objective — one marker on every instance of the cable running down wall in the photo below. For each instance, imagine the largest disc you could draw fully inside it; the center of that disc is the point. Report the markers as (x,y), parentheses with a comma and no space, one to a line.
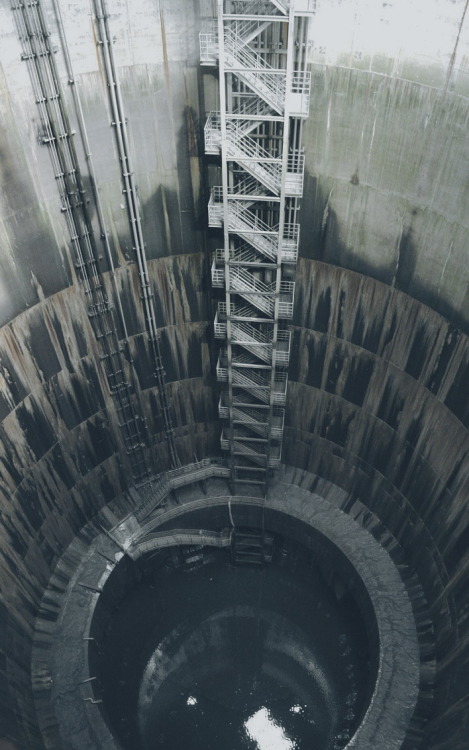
(58,135)
(129,189)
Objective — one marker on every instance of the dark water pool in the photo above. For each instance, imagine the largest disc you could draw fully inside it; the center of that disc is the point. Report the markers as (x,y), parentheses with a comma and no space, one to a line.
(213,656)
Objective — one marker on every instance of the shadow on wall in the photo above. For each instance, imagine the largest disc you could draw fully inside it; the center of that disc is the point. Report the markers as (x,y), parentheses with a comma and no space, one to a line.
(25,274)
(174,219)
(321,240)
(5,745)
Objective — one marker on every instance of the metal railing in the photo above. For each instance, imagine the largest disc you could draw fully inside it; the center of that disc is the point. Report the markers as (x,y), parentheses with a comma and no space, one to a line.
(262,178)
(254,383)
(268,82)
(248,336)
(299,93)
(208,42)
(252,7)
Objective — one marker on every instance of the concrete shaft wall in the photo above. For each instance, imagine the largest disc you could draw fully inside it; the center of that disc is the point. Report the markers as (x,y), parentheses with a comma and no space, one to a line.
(378,396)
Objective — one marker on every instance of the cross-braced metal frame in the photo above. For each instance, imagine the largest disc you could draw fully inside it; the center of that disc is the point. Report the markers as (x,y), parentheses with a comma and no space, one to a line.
(260,49)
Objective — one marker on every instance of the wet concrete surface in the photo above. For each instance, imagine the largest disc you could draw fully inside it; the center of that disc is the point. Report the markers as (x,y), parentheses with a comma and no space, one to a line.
(192,655)
(378,394)
(99,573)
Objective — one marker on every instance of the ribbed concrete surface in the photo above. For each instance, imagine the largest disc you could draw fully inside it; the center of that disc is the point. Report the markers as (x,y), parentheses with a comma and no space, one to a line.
(378,402)
(61,667)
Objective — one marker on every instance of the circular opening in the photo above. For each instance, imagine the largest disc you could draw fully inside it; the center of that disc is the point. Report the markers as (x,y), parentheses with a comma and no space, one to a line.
(256,645)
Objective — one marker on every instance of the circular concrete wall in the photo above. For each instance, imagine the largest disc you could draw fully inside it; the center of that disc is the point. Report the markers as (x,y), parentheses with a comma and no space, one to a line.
(378,398)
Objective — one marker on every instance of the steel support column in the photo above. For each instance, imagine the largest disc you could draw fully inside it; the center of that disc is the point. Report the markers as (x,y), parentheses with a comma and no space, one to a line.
(259,47)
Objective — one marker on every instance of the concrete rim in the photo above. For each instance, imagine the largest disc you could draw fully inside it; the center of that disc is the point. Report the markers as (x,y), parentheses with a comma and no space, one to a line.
(78,715)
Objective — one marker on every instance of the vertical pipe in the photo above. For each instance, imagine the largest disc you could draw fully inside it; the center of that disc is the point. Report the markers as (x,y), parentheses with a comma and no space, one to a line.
(281,225)
(46,84)
(89,160)
(226,236)
(133,210)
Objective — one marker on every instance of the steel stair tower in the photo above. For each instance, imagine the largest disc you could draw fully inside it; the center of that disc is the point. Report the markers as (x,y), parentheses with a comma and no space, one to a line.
(260,48)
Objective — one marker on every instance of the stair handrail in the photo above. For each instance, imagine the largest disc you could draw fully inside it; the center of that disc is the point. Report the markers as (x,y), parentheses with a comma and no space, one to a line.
(250,7)
(250,147)
(251,59)
(261,241)
(251,282)
(252,415)
(246,329)
(273,79)
(255,223)
(247,186)
(291,229)
(257,107)
(246,253)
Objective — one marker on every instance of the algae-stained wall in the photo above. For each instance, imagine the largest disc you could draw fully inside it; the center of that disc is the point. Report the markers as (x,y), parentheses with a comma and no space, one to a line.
(62,454)
(378,395)
(378,404)
(54,390)
(386,146)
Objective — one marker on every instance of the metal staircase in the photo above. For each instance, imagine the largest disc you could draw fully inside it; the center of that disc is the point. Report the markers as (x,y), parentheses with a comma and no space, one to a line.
(249,225)
(259,47)
(251,547)
(252,157)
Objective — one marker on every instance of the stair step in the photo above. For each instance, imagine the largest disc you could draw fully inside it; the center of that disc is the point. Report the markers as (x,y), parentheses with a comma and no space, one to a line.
(249,559)
(249,481)
(251,546)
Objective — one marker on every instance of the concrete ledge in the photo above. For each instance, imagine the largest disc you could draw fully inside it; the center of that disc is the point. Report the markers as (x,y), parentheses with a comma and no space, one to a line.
(68,711)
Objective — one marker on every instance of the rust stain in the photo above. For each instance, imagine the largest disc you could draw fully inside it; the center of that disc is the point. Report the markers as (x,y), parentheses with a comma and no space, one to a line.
(191,132)
(13,345)
(99,62)
(165,48)
(167,224)
(453,55)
